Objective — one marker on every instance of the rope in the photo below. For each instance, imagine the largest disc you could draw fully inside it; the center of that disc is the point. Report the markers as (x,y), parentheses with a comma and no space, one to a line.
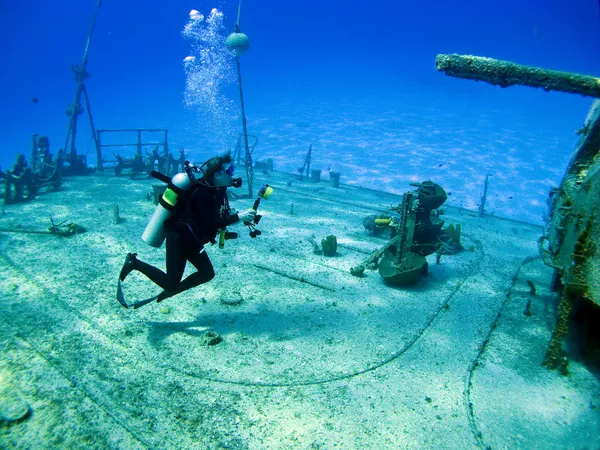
(248,162)
(474,268)
(249,170)
(475,361)
(344,376)
(237,23)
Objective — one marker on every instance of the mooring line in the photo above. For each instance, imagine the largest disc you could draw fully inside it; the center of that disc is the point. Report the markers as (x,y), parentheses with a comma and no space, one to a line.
(474,427)
(475,266)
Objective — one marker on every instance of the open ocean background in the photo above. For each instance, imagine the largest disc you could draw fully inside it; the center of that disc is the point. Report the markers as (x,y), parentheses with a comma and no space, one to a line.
(355,79)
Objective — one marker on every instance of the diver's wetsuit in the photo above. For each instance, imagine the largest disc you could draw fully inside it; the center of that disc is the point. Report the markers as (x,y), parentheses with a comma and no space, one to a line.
(202,211)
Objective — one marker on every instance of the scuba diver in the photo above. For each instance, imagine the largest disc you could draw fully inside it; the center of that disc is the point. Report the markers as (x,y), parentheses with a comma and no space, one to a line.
(201,210)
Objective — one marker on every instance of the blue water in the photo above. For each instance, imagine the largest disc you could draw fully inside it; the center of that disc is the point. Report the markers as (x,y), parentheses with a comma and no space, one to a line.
(357,81)
(360,74)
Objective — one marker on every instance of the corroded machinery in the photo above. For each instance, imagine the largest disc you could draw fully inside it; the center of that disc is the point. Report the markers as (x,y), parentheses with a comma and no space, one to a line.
(24,182)
(415,233)
(418,231)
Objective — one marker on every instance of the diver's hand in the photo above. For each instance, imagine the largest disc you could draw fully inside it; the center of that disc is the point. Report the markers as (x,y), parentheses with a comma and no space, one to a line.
(247,216)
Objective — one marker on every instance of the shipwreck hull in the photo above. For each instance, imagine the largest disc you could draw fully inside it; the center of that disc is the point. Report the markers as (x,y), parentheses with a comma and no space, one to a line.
(573,247)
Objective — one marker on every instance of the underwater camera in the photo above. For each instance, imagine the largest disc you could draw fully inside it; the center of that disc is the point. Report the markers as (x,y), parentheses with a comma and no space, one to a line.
(264,193)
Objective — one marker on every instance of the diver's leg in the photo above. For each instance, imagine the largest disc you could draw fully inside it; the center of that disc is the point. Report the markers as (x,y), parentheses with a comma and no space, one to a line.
(204,274)
(175,265)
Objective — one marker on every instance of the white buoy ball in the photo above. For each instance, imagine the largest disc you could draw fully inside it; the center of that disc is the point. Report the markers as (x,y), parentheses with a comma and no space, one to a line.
(237,43)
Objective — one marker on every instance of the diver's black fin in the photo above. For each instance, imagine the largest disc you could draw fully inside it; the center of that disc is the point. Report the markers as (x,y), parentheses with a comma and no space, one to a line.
(140,303)
(159,298)
(135,305)
(120,296)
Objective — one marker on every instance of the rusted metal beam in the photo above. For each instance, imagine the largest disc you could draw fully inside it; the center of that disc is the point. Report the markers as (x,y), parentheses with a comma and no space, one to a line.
(506,73)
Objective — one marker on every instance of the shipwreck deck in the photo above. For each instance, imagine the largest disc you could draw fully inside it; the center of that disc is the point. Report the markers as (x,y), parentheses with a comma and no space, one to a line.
(311,356)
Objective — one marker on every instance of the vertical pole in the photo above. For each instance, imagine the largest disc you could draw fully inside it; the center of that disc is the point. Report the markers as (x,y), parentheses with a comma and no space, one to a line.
(90,117)
(166,145)
(99,162)
(74,111)
(481,212)
(139,142)
(75,108)
(249,170)
(166,152)
(89,39)
(238,150)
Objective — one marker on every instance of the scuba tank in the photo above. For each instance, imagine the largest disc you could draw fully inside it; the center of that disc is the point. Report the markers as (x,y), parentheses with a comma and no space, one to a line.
(154,234)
